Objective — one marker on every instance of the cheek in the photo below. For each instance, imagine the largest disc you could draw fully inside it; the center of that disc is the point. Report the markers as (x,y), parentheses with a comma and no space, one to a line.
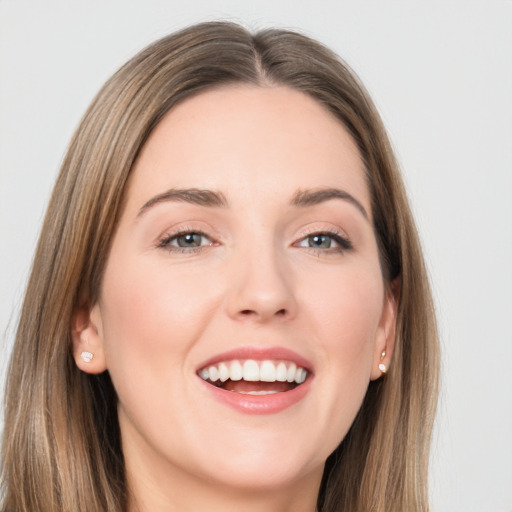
(151,318)
(346,316)
(348,309)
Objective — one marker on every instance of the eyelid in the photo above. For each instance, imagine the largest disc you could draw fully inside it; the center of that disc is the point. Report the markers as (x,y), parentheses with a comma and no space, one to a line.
(338,235)
(175,236)
(163,241)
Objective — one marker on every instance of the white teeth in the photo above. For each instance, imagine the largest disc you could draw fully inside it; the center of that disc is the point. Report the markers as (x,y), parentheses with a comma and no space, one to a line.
(223,372)
(281,372)
(290,374)
(300,376)
(255,371)
(236,371)
(213,373)
(267,371)
(251,371)
(258,392)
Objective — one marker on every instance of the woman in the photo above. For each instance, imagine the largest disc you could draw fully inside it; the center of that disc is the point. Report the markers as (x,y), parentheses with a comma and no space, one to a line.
(228,307)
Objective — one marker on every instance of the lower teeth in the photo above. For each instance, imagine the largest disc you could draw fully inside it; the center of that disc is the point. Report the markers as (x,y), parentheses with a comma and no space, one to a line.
(256,392)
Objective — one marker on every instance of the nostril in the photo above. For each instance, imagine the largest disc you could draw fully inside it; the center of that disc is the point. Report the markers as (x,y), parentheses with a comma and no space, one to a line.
(249,312)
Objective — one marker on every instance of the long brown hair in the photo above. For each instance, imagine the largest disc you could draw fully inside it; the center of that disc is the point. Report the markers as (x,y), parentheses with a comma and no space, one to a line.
(61,447)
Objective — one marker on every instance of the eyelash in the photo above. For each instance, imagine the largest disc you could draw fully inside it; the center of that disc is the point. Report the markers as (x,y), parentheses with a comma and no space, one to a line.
(343,242)
(165,242)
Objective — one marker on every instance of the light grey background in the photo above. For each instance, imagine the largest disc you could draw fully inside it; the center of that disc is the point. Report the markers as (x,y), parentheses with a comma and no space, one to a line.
(441,75)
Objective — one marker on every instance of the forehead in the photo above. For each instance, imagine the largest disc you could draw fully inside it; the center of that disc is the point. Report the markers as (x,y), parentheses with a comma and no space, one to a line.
(245,139)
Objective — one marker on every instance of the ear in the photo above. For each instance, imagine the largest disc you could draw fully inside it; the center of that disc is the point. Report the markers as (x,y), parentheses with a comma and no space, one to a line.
(87,334)
(385,337)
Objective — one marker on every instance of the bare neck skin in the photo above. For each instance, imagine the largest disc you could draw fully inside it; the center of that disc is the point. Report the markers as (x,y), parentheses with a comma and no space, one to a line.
(192,497)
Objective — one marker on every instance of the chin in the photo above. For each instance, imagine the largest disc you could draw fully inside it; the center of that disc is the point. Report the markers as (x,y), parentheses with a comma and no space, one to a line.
(265,461)
(265,474)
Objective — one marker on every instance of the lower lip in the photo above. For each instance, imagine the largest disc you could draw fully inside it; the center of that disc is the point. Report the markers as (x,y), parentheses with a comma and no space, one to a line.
(259,404)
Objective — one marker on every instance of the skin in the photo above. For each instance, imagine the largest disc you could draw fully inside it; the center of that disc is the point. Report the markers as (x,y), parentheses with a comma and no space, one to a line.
(254,282)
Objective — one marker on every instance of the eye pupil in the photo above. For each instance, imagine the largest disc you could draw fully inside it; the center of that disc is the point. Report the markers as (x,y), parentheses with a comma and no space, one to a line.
(189,240)
(320,241)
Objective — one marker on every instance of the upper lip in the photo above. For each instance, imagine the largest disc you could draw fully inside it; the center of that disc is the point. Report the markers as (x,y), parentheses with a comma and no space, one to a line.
(259,354)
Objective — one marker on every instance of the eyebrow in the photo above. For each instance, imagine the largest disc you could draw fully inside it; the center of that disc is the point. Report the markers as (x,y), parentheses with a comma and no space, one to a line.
(311,197)
(200,197)
(213,199)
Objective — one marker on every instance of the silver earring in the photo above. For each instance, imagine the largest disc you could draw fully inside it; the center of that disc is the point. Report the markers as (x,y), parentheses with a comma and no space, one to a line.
(86,356)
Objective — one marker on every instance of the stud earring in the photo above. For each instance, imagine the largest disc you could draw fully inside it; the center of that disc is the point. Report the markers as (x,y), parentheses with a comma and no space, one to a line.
(86,356)
(383,368)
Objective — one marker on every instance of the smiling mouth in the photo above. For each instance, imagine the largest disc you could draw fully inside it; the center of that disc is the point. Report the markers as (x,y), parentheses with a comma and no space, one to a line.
(253,377)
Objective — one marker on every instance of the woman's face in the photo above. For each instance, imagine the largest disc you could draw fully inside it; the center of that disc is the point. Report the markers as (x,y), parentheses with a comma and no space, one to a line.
(245,249)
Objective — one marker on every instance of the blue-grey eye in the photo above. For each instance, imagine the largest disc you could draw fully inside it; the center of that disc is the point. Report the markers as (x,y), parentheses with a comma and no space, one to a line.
(331,242)
(320,241)
(189,240)
(185,241)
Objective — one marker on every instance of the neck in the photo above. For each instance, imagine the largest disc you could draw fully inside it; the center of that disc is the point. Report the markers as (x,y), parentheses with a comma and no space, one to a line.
(147,497)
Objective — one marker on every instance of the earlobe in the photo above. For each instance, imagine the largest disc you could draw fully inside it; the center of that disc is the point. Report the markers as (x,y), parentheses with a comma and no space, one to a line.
(385,340)
(86,331)
(382,366)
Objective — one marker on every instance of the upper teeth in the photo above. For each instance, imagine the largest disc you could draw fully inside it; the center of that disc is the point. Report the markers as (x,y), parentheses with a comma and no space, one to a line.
(255,371)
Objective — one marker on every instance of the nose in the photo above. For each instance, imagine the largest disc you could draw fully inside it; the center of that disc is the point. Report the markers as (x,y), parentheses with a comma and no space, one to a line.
(261,288)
